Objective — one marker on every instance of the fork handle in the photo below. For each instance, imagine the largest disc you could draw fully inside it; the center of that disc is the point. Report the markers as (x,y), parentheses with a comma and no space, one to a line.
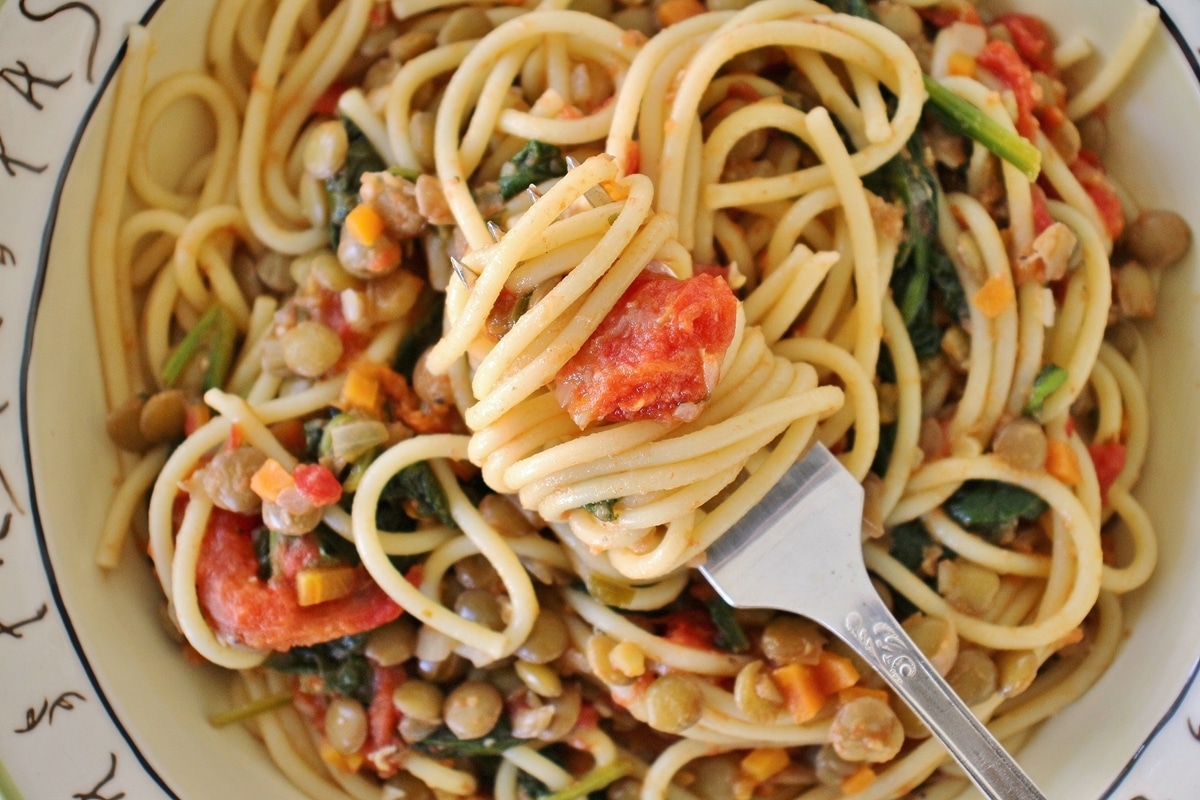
(873,632)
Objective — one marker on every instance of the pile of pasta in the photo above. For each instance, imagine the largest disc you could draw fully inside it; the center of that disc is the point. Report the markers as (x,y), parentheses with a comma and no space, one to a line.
(515,583)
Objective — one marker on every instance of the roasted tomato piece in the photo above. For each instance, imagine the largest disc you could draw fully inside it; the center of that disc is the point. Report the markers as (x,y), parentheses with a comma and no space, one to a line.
(266,614)
(657,354)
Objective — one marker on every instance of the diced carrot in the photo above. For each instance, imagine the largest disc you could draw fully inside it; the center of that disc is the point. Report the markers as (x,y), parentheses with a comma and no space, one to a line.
(835,672)
(801,690)
(344,763)
(858,781)
(290,433)
(321,584)
(1062,463)
(996,295)
(270,479)
(615,190)
(961,64)
(852,693)
(673,11)
(361,389)
(364,224)
(764,763)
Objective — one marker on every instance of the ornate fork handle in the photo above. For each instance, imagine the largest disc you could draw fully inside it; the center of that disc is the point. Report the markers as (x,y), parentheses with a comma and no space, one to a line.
(872,631)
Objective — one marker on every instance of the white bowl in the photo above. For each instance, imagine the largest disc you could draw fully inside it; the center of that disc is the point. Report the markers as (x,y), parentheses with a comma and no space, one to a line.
(96,699)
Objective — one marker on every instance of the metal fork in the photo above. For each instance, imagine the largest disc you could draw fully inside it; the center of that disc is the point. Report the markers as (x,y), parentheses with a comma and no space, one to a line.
(800,550)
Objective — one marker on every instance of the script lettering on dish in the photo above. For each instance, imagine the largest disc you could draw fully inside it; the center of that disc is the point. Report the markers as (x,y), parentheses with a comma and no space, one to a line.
(6,523)
(884,644)
(7,257)
(35,16)
(95,793)
(1193,729)
(11,163)
(22,73)
(14,629)
(34,717)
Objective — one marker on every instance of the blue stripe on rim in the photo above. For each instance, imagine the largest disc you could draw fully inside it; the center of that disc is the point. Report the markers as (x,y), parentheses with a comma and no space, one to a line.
(39,282)
(23,396)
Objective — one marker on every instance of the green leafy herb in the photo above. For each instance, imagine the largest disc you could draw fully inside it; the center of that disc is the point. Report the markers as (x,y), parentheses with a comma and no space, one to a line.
(730,635)
(214,331)
(536,162)
(989,507)
(426,330)
(857,8)
(1047,382)
(966,120)
(908,544)
(334,548)
(442,743)
(413,491)
(603,510)
(610,593)
(314,430)
(919,276)
(945,278)
(883,453)
(262,539)
(342,189)
(340,663)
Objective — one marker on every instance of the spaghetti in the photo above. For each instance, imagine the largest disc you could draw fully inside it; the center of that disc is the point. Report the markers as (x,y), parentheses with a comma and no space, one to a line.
(477,325)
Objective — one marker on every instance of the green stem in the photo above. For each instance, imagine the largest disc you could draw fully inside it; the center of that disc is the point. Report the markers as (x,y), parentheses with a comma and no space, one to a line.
(967,120)
(252,709)
(216,330)
(598,778)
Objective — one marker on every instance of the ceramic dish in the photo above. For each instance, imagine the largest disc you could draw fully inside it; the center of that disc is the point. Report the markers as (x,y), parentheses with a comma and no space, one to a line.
(96,703)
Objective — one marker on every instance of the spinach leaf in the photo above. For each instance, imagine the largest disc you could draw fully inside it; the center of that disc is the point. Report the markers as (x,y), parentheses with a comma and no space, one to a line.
(261,538)
(945,278)
(536,162)
(1048,380)
(909,541)
(426,329)
(341,190)
(857,8)
(883,454)
(413,491)
(989,507)
(333,547)
(442,743)
(907,180)
(730,636)
(340,663)
(602,510)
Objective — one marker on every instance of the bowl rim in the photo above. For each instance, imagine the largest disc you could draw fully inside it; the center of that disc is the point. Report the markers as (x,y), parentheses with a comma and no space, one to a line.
(99,90)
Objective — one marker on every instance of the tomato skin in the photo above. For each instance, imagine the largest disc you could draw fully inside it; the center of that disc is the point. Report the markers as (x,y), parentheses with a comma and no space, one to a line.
(1096,183)
(999,58)
(941,17)
(655,355)
(320,486)
(1041,210)
(1032,40)
(691,627)
(266,614)
(1108,459)
(326,104)
(382,715)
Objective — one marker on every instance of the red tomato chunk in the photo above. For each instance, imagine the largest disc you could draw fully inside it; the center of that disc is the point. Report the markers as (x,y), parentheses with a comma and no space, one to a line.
(657,354)
(246,610)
